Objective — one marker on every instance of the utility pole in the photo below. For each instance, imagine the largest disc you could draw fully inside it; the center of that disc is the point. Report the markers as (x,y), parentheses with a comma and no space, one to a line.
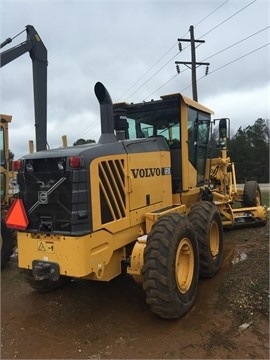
(193,62)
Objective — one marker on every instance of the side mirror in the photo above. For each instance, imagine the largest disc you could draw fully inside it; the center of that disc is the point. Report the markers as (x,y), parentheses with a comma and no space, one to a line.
(223,129)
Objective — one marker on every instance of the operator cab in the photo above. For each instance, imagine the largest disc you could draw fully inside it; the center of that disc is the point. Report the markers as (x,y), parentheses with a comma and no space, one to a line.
(179,121)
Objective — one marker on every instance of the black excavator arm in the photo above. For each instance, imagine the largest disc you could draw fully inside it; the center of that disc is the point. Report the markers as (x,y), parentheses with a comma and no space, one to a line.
(38,54)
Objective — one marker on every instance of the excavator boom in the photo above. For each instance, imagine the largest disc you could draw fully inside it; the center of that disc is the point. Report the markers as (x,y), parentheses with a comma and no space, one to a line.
(38,54)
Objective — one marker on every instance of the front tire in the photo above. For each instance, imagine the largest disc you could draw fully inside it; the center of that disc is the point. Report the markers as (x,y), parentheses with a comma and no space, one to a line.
(206,220)
(44,285)
(252,194)
(171,267)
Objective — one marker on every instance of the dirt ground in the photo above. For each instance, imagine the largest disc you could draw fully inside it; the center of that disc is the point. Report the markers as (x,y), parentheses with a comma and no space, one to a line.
(92,320)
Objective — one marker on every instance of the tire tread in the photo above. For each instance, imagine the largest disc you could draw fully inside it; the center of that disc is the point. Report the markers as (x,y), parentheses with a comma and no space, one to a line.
(161,289)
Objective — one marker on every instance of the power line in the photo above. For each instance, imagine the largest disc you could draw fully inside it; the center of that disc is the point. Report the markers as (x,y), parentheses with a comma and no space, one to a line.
(241,57)
(211,13)
(234,14)
(211,56)
(141,77)
(161,86)
(134,92)
(223,22)
(229,63)
(187,87)
(230,17)
(238,42)
(166,53)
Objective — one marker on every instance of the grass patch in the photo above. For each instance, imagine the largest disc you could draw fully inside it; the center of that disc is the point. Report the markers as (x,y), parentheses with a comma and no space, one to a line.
(265,198)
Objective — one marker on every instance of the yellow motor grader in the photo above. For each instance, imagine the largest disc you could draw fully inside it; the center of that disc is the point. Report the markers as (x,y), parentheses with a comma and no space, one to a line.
(238,207)
(8,190)
(145,194)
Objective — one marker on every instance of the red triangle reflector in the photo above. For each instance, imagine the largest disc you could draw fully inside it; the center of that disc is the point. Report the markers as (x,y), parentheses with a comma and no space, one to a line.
(16,217)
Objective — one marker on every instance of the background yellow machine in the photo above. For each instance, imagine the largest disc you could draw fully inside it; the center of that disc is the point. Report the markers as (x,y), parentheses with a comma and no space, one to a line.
(145,194)
(8,189)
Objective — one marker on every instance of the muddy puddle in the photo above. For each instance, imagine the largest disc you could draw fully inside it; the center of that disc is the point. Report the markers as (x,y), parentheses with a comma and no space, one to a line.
(239,255)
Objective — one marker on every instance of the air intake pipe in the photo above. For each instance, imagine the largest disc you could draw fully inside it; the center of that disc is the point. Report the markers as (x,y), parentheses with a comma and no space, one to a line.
(106,114)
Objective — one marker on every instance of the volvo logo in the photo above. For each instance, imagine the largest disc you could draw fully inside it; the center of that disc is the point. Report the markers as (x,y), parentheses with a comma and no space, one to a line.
(43,197)
(150,172)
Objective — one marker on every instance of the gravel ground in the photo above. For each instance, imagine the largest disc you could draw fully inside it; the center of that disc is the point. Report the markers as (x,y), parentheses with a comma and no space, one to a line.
(245,290)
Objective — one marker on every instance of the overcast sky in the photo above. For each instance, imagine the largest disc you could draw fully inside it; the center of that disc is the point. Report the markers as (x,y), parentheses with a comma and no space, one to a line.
(131,47)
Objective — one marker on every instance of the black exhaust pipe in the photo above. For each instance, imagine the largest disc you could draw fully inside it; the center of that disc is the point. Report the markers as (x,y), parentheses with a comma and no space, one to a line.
(106,114)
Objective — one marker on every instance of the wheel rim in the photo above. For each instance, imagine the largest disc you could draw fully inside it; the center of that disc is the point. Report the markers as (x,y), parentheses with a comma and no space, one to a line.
(214,239)
(184,265)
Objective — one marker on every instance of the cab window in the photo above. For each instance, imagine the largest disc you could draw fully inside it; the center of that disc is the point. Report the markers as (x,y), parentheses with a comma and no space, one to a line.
(155,122)
(198,136)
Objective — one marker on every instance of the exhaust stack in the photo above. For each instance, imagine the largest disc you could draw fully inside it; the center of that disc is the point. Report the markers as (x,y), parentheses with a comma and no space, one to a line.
(106,114)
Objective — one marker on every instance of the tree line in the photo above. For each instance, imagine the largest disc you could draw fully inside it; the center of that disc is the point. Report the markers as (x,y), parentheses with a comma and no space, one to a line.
(249,150)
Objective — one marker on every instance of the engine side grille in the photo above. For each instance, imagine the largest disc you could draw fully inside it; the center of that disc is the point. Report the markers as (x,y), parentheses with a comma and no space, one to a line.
(112,190)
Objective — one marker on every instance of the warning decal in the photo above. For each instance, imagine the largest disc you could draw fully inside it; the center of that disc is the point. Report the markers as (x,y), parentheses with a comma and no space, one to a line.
(45,246)
(41,247)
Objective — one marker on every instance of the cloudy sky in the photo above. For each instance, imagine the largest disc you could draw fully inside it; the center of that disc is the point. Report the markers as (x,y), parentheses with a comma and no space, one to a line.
(131,46)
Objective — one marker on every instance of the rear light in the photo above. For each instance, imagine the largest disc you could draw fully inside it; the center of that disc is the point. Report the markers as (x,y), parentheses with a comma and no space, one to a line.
(75,162)
(17,165)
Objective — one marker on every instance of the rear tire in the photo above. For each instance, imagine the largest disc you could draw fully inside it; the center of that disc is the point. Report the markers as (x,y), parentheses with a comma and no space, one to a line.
(252,194)
(44,285)
(206,220)
(7,243)
(171,267)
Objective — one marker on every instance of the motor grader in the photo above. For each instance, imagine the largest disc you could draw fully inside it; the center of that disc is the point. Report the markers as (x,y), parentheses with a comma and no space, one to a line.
(145,194)
(238,207)
(8,191)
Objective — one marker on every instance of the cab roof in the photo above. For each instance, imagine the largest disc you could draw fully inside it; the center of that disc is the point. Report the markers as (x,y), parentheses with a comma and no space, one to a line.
(186,100)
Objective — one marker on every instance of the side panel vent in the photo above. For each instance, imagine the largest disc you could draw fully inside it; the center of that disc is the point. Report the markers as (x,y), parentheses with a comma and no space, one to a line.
(112,190)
